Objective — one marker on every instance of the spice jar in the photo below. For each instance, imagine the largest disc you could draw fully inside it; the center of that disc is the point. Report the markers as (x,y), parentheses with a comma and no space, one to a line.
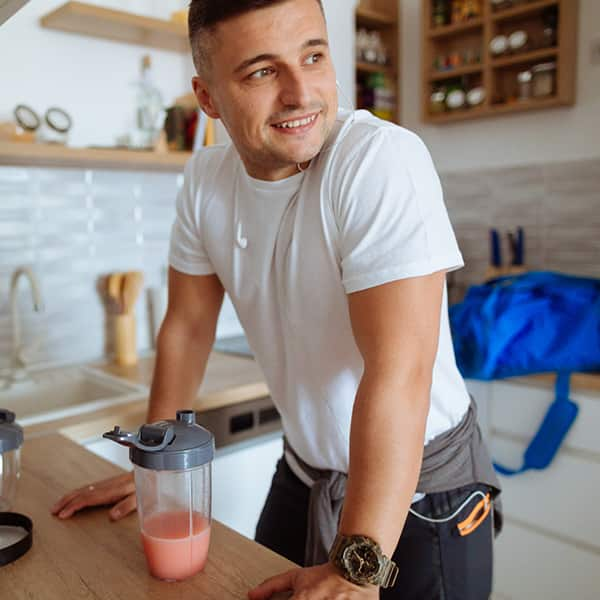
(524,80)
(543,83)
(456,98)
(437,103)
(440,14)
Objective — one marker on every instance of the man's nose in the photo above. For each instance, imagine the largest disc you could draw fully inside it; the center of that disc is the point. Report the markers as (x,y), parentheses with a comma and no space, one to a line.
(294,89)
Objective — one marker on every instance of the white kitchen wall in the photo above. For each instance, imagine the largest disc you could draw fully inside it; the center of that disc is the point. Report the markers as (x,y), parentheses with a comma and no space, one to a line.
(340,21)
(90,78)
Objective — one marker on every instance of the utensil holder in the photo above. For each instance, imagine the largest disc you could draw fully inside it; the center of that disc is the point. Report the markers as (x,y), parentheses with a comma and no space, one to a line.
(125,340)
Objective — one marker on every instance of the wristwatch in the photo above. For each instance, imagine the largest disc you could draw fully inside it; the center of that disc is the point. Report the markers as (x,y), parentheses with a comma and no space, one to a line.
(361,561)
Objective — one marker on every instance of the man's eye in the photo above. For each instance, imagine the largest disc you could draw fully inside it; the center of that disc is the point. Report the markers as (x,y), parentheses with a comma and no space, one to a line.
(261,73)
(313,59)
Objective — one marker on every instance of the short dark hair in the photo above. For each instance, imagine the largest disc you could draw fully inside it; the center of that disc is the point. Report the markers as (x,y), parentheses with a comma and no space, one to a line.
(205,15)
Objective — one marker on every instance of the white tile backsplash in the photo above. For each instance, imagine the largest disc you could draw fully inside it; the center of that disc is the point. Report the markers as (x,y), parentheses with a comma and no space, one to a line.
(558,206)
(73,226)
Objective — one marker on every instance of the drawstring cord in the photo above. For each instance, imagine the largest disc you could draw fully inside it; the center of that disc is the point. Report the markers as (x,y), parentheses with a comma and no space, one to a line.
(240,240)
(456,512)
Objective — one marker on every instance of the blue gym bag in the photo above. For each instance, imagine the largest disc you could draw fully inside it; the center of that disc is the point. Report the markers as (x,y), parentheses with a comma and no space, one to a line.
(532,323)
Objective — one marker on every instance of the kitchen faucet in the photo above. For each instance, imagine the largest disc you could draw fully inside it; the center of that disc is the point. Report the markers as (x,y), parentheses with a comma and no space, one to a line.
(18,362)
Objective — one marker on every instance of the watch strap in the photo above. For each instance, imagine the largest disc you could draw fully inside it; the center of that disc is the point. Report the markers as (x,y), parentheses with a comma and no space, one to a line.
(335,554)
(389,573)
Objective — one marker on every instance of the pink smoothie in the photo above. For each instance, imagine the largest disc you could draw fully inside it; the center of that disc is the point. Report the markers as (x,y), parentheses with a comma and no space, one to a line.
(172,553)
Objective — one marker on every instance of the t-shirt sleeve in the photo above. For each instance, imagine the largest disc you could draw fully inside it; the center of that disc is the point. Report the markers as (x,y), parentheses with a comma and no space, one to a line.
(187,253)
(390,214)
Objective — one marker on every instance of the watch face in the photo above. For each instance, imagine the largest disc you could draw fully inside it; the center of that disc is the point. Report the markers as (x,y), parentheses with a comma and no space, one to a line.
(361,561)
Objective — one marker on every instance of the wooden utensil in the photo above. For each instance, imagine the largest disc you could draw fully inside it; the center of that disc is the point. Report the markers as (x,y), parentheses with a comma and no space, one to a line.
(131,287)
(125,339)
(115,281)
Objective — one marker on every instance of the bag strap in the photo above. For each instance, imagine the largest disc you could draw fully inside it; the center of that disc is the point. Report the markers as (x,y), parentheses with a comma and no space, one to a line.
(556,424)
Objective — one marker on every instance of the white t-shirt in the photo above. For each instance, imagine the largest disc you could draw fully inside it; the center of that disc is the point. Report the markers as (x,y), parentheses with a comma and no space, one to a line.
(369,210)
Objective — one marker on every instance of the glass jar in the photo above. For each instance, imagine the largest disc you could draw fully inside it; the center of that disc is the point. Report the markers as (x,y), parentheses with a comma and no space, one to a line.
(524,80)
(437,102)
(440,13)
(456,96)
(476,96)
(11,440)
(544,80)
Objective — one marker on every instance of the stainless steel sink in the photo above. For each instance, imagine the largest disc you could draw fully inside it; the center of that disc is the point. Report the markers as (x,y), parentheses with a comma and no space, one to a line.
(49,394)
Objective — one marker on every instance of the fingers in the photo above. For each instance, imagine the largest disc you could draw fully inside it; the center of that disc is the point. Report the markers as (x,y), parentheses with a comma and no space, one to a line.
(279,583)
(107,491)
(88,488)
(123,508)
(64,501)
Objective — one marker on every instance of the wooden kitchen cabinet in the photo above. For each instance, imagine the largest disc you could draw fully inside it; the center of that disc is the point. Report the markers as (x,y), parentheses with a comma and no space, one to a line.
(382,17)
(458,56)
(550,546)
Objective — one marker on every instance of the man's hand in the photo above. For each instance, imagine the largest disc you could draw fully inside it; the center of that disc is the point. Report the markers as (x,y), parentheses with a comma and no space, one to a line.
(314,583)
(119,491)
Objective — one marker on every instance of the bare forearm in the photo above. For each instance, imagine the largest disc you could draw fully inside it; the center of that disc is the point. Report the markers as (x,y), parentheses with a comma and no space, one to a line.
(386,450)
(181,359)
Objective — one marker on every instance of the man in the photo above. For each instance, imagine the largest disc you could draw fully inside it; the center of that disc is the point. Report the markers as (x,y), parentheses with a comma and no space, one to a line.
(329,232)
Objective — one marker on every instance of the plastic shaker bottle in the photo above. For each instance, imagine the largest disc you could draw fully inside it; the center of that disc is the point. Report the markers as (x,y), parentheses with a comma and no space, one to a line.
(16,530)
(172,468)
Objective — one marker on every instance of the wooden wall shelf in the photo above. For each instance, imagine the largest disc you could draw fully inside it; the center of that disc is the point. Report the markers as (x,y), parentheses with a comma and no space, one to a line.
(525,106)
(447,30)
(454,73)
(116,25)
(525,57)
(382,16)
(525,9)
(54,155)
(459,115)
(494,110)
(373,68)
(497,75)
(369,17)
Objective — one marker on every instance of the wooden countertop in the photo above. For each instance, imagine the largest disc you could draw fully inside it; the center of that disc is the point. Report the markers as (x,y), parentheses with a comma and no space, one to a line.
(228,380)
(90,557)
(580,382)
(223,372)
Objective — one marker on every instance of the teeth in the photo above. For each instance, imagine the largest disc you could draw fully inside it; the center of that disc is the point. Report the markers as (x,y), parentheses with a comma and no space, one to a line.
(294,124)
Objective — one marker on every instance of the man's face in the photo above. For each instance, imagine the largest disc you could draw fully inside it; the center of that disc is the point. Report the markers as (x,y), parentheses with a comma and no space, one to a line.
(273,85)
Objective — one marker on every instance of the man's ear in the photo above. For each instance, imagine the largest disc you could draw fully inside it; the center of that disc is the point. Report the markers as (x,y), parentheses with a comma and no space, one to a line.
(204,98)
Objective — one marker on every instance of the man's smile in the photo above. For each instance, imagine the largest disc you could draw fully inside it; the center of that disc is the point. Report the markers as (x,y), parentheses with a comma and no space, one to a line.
(299,125)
